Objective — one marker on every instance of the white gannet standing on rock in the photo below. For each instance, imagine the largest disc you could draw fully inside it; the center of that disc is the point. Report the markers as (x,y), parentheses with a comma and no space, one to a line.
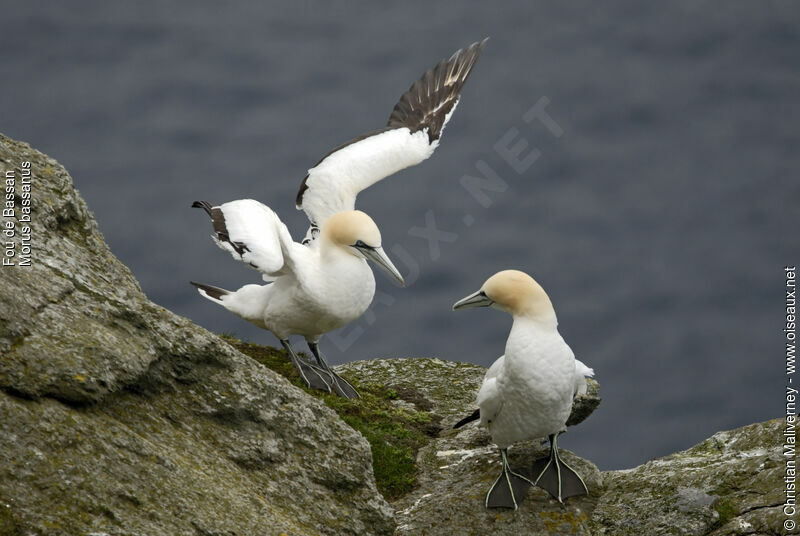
(410,136)
(528,392)
(311,291)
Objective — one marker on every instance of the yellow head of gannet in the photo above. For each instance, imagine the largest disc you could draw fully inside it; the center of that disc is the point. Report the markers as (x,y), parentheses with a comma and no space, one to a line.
(357,234)
(512,291)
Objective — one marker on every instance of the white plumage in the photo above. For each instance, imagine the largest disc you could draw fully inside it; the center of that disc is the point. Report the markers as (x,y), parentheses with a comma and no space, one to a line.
(318,289)
(528,392)
(312,290)
(410,136)
(336,181)
(269,247)
(531,392)
(490,398)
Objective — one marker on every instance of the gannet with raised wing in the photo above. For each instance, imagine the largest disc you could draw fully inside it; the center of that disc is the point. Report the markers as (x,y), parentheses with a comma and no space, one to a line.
(311,291)
(410,136)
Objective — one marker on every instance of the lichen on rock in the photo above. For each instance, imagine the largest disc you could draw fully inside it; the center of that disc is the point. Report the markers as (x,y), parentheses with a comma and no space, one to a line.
(728,484)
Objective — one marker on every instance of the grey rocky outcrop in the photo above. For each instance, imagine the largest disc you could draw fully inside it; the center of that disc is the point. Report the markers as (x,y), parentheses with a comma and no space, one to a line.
(730,484)
(457,467)
(119,417)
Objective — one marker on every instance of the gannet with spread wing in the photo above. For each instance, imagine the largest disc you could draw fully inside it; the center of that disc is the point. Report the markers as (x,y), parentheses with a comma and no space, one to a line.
(410,136)
(310,291)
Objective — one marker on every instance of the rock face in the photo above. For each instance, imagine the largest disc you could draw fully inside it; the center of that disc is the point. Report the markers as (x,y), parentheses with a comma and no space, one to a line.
(729,484)
(119,417)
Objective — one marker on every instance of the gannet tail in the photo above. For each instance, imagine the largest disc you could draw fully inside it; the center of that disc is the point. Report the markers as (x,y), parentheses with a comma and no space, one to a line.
(468,419)
(214,294)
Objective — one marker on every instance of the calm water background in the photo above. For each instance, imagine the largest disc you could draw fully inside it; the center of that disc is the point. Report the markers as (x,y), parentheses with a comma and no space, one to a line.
(659,222)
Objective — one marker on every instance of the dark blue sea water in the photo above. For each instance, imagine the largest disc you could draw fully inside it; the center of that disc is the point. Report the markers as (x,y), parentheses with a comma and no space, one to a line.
(659,221)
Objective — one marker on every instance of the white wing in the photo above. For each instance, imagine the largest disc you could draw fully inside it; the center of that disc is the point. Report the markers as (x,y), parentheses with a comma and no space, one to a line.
(411,136)
(495,369)
(581,373)
(490,400)
(252,233)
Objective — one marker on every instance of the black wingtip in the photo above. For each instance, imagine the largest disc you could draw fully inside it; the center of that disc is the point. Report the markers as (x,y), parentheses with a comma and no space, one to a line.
(470,57)
(477,45)
(480,44)
(429,100)
(466,420)
(220,229)
(205,205)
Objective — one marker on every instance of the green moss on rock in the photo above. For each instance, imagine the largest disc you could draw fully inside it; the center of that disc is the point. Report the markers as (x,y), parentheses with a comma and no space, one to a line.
(394,431)
(726,509)
(9,524)
(120,417)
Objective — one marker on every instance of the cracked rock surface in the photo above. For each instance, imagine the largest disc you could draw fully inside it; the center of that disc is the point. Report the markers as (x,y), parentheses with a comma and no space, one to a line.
(120,417)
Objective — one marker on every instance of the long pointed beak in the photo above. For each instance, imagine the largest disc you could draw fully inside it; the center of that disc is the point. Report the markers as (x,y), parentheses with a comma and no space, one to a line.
(379,257)
(477,299)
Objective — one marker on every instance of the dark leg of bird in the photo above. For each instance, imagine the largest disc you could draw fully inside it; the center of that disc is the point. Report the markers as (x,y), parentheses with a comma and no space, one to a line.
(509,489)
(340,386)
(556,477)
(312,375)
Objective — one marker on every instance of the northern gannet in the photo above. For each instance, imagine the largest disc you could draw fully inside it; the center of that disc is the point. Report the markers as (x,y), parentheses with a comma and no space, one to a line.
(528,392)
(311,291)
(410,136)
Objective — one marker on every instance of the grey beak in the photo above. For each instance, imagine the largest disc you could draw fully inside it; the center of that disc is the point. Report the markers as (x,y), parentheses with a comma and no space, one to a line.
(379,257)
(478,299)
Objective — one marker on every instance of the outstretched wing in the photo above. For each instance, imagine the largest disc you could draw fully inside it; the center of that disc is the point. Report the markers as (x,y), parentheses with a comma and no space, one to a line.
(410,136)
(252,233)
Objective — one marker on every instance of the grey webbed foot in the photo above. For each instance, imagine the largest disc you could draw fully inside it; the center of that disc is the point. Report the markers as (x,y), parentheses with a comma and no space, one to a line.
(556,477)
(343,387)
(313,376)
(509,489)
(339,385)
